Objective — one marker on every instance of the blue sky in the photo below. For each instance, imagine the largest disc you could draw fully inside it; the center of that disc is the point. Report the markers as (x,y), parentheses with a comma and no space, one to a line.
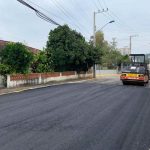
(18,23)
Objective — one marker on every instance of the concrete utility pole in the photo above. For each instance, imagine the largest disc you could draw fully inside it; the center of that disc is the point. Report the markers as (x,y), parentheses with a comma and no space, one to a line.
(94,36)
(131,36)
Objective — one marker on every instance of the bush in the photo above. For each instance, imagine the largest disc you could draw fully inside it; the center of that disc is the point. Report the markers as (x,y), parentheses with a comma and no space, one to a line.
(17,57)
(5,69)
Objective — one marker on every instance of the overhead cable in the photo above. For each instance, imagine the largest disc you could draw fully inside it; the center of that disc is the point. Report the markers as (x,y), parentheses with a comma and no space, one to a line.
(38,13)
(45,10)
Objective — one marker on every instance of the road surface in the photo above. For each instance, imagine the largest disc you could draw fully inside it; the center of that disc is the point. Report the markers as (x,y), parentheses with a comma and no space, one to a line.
(94,115)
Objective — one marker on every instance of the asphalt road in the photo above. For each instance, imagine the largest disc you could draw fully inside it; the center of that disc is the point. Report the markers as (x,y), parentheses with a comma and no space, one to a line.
(94,115)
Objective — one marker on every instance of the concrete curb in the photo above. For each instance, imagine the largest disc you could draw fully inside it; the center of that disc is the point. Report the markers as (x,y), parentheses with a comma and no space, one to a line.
(44,86)
(56,84)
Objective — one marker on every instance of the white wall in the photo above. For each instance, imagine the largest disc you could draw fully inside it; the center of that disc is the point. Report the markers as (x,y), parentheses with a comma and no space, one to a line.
(106,71)
(39,80)
(1,82)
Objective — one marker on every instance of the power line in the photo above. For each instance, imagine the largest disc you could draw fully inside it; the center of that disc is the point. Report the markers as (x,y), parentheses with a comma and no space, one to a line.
(110,18)
(81,8)
(104,2)
(95,4)
(61,8)
(70,16)
(108,15)
(100,4)
(49,11)
(122,22)
(38,13)
(77,19)
(44,9)
(46,19)
(113,15)
(63,11)
(119,24)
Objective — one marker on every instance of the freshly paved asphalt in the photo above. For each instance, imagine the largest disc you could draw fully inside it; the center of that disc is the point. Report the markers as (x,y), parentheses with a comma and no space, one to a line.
(94,115)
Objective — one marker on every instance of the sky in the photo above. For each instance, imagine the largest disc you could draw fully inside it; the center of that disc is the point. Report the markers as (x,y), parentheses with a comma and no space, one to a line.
(20,24)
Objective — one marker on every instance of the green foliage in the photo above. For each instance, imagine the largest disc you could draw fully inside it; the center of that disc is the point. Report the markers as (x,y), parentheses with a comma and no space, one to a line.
(125,59)
(40,63)
(17,57)
(111,57)
(67,50)
(5,69)
(100,39)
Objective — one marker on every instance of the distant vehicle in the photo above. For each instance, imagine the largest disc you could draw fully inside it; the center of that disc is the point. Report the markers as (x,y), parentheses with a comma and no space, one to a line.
(136,72)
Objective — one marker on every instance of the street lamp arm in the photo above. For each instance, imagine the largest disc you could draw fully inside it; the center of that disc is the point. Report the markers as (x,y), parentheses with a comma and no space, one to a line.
(103,27)
(106,25)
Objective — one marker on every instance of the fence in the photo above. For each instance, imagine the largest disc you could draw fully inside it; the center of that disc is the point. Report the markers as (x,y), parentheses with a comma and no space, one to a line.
(41,78)
(1,82)
(106,71)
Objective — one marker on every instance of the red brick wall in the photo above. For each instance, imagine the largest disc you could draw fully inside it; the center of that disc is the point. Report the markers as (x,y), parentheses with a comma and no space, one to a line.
(24,76)
(48,75)
(37,75)
(69,73)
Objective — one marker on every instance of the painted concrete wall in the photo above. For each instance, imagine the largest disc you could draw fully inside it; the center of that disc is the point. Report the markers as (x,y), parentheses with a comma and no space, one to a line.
(1,82)
(106,71)
(35,79)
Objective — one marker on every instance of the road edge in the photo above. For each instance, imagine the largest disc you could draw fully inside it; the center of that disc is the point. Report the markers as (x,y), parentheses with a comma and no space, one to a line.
(44,86)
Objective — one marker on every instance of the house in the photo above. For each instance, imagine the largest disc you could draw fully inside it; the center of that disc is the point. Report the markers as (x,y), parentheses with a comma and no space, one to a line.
(3,44)
(124,51)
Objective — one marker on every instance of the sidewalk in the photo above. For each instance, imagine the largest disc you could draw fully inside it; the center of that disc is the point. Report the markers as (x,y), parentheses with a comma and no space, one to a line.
(4,91)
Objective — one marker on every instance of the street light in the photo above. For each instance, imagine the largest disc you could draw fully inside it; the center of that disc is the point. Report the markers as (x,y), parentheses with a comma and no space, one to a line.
(94,41)
(106,24)
(94,31)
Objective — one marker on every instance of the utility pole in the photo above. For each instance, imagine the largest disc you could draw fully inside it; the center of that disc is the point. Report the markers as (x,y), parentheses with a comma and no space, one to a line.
(94,36)
(130,47)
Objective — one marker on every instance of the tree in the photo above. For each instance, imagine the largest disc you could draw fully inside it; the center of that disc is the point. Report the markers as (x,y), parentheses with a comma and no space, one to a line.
(17,57)
(40,63)
(5,69)
(125,59)
(111,57)
(99,36)
(67,50)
